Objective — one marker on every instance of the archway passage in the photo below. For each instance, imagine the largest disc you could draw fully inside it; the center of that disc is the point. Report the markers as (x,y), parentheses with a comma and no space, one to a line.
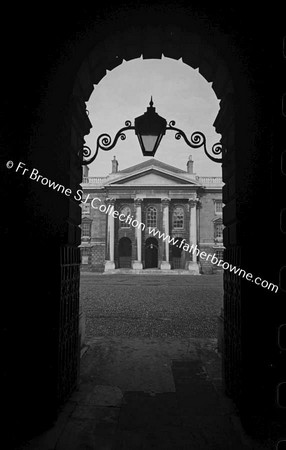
(151,253)
(56,145)
(198,54)
(124,253)
(178,256)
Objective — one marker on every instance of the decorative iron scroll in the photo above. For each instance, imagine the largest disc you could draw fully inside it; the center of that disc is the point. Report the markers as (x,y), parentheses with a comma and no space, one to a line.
(104,142)
(197,140)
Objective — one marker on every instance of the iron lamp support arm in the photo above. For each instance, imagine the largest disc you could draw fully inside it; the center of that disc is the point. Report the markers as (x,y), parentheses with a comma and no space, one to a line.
(104,142)
(197,140)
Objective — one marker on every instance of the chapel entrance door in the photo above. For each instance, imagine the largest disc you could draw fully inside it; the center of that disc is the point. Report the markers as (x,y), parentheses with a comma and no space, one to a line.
(124,253)
(178,259)
(151,253)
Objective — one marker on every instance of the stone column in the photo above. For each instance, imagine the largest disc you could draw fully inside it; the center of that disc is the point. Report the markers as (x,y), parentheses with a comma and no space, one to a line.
(109,263)
(137,265)
(193,265)
(165,264)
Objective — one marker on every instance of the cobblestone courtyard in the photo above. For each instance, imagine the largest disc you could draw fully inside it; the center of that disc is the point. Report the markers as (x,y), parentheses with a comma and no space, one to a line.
(150,374)
(151,306)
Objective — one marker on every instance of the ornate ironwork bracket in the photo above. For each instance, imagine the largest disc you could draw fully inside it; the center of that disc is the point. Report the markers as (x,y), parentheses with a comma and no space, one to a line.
(197,140)
(105,143)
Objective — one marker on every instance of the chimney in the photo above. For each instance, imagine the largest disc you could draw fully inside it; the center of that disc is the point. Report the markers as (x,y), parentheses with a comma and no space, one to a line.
(85,170)
(190,165)
(114,165)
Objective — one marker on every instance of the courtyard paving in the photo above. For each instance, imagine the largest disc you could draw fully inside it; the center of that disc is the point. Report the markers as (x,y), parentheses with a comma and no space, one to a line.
(151,374)
(151,306)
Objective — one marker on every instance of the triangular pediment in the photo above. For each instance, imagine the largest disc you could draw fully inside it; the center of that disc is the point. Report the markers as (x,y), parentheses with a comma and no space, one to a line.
(153,176)
(153,163)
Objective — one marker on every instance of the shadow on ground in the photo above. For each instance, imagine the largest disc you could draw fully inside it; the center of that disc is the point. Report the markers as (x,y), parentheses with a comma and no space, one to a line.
(148,394)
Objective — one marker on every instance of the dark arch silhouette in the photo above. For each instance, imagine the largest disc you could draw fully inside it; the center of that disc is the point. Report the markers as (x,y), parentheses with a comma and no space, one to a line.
(58,82)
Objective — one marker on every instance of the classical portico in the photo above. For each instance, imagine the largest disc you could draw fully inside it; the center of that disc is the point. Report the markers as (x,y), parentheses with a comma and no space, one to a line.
(140,234)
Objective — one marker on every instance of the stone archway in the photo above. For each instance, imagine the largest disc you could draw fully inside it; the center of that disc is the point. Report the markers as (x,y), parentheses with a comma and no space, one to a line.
(237,124)
(59,81)
(174,43)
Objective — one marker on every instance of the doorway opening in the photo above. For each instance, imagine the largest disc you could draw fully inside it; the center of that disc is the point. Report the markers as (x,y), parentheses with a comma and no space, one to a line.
(125,253)
(178,255)
(151,253)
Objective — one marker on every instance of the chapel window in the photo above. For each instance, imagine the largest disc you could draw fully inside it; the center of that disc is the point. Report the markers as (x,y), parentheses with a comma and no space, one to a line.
(218,230)
(125,211)
(218,207)
(178,218)
(151,216)
(85,229)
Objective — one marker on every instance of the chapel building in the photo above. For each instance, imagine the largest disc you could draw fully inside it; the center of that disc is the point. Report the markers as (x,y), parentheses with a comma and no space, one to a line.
(122,212)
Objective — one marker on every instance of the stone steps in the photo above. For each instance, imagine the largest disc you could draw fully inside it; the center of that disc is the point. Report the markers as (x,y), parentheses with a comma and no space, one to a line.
(151,272)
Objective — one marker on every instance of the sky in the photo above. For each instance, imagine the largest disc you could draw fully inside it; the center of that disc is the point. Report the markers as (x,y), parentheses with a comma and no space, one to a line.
(179,93)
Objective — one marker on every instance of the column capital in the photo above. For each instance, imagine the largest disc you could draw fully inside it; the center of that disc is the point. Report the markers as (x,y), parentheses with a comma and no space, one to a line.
(138,201)
(165,201)
(110,201)
(193,202)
